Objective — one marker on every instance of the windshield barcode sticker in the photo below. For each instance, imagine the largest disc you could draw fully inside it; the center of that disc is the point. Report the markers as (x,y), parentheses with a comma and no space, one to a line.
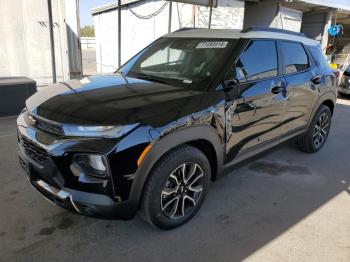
(214,44)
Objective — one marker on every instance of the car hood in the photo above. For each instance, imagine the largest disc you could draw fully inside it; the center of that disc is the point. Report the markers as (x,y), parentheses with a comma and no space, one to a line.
(115,100)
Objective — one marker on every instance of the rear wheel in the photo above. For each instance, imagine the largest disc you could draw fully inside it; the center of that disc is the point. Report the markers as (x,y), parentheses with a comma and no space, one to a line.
(176,188)
(316,136)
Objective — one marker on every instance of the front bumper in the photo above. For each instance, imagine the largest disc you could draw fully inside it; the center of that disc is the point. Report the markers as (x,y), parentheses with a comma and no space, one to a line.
(343,90)
(84,203)
(344,86)
(46,160)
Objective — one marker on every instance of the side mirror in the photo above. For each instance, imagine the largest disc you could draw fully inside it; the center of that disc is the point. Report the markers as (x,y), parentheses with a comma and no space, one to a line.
(229,84)
(232,79)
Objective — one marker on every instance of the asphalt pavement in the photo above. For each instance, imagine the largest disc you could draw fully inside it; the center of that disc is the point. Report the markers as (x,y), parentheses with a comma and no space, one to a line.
(284,206)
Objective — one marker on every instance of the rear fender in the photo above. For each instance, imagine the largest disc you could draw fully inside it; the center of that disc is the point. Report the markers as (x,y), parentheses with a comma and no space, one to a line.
(324,97)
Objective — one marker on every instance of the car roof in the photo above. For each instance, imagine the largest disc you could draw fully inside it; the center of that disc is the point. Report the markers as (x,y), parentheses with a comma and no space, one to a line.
(236,34)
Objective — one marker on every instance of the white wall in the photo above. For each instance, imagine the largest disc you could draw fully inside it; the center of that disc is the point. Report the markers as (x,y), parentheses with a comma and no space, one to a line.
(270,13)
(25,43)
(228,15)
(289,19)
(138,33)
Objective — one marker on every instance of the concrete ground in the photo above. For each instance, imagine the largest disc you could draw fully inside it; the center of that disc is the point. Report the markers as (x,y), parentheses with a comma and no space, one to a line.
(285,206)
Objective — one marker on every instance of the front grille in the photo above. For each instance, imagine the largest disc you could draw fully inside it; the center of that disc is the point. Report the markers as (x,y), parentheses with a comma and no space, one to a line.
(49,127)
(34,152)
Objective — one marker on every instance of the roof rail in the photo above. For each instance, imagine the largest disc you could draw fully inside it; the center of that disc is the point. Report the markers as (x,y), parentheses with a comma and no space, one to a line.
(184,29)
(271,29)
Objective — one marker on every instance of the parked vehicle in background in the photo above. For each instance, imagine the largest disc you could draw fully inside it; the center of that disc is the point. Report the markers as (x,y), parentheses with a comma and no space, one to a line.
(154,134)
(344,85)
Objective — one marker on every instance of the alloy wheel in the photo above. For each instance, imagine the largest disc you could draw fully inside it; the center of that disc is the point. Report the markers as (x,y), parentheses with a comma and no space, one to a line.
(321,130)
(182,191)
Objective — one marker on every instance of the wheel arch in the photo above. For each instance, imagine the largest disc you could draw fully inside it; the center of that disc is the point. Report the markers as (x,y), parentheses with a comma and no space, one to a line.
(330,104)
(209,151)
(204,138)
(328,99)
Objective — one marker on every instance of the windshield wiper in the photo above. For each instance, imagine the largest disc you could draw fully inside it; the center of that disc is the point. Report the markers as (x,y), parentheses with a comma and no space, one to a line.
(150,78)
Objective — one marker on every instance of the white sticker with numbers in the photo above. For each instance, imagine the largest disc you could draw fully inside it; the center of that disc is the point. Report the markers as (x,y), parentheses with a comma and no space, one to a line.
(213,44)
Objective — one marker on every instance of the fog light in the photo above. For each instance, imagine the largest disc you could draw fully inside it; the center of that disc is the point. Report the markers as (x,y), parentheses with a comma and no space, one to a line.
(90,164)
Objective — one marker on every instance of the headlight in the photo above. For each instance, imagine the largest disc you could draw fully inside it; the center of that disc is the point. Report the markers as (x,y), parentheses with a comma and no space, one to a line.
(94,165)
(97,163)
(97,131)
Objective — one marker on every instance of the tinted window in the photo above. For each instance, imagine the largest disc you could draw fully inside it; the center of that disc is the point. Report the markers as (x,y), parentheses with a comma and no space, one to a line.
(165,56)
(294,57)
(318,56)
(185,62)
(258,60)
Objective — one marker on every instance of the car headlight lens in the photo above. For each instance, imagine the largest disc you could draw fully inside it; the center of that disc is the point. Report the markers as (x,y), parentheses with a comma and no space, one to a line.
(97,163)
(97,131)
(94,165)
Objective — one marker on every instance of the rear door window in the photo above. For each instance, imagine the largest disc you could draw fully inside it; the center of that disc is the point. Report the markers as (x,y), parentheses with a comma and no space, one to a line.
(294,57)
(258,61)
(319,57)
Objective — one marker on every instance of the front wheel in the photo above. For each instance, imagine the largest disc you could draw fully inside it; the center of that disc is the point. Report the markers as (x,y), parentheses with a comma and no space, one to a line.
(176,187)
(316,136)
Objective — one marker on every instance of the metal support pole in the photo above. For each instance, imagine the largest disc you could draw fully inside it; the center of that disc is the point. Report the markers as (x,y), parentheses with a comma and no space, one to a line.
(119,33)
(52,42)
(210,13)
(170,15)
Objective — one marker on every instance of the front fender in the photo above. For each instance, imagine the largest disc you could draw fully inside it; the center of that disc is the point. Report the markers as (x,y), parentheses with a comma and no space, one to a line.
(165,144)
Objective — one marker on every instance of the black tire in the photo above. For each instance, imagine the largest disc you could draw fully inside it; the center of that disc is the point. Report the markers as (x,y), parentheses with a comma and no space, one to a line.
(310,142)
(164,184)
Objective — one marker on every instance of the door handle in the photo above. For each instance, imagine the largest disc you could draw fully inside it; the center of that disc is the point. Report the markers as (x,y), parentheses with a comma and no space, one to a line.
(276,90)
(316,80)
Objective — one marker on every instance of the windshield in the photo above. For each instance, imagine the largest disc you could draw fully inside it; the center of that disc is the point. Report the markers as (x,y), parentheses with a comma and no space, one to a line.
(192,63)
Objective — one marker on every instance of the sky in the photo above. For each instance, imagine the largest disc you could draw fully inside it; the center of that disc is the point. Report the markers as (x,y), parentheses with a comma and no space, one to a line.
(85,7)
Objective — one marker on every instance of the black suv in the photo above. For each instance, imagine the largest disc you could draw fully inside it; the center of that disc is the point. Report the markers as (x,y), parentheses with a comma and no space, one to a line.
(152,136)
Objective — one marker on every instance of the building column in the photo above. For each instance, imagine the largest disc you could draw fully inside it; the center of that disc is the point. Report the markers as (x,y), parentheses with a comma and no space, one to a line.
(328,23)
